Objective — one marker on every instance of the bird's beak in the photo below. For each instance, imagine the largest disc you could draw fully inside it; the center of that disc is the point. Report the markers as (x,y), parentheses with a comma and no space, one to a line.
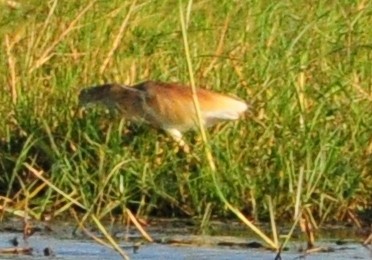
(80,111)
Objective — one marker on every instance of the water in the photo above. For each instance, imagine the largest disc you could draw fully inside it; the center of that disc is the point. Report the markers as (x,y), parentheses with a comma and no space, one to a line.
(64,245)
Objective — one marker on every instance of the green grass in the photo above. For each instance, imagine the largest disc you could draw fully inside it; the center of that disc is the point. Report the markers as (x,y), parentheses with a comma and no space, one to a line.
(305,69)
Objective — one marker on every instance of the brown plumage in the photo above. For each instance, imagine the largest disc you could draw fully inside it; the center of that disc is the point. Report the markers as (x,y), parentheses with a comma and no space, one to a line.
(168,106)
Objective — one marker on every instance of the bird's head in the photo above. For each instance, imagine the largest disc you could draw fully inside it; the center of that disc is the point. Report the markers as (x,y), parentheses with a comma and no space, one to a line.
(99,94)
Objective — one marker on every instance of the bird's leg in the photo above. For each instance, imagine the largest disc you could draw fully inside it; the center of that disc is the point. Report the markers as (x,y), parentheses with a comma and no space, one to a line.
(192,162)
(177,136)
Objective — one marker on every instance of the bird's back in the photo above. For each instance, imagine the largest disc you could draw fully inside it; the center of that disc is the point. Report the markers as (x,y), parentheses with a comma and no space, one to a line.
(172,105)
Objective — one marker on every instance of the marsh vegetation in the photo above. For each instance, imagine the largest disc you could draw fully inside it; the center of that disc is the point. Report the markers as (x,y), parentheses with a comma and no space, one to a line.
(304,150)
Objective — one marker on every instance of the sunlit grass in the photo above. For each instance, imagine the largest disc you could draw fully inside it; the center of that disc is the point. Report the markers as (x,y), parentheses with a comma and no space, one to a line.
(305,70)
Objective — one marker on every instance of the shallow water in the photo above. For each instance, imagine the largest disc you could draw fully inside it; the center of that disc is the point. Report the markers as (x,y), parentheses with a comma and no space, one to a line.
(86,249)
(171,245)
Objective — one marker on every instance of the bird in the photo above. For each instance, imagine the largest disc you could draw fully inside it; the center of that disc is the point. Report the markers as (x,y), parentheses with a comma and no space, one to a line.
(166,106)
